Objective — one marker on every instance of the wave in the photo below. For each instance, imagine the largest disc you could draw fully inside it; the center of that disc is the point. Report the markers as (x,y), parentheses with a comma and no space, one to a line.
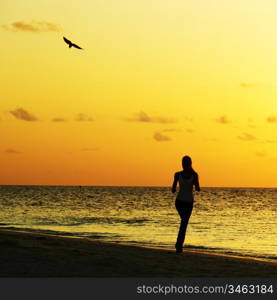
(228,252)
(111,220)
(80,221)
(93,235)
(47,231)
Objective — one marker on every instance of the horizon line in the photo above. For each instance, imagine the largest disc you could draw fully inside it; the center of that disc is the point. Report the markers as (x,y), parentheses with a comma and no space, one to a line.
(163,186)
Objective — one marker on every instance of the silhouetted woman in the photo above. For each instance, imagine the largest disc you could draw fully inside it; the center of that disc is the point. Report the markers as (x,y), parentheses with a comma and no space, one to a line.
(184,200)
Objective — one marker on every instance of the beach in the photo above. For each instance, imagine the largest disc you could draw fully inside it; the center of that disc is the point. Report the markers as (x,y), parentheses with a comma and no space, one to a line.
(28,254)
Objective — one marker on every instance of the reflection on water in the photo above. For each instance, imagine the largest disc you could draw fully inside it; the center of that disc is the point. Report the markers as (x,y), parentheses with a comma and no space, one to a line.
(224,219)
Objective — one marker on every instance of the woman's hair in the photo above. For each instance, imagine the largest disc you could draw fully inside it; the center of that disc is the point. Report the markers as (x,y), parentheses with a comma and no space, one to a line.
(187,164)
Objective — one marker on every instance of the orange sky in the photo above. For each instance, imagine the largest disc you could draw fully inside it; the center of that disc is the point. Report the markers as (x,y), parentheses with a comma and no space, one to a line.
(157,80)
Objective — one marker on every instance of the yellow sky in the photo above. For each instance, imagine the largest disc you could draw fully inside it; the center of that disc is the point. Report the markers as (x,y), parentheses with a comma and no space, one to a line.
(157,80)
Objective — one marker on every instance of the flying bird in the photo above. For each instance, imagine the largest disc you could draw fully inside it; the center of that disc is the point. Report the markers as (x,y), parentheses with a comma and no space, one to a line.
(70,44)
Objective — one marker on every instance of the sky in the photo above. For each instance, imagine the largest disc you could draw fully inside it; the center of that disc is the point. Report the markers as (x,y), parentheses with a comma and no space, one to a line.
(156,80)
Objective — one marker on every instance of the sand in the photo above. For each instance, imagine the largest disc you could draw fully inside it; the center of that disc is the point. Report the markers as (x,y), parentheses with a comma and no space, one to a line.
(27,254)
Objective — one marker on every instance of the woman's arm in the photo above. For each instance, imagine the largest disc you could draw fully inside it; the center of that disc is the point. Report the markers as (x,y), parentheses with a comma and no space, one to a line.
(196,183)
(176,177)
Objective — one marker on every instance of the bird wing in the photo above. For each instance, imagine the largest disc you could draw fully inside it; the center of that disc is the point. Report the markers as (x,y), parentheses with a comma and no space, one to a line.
(67,41)
(76,46)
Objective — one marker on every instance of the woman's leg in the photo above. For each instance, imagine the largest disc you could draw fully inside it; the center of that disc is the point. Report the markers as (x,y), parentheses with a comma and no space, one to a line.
(184,210)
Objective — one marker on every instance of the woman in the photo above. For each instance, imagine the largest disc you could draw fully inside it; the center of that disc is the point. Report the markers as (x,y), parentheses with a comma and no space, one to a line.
(184,200)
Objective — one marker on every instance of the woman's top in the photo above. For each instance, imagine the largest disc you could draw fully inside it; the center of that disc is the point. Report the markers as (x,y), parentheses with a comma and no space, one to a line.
(185,193)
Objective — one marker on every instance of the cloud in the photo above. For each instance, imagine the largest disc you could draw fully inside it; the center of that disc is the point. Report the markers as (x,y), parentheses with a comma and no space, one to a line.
(58,120)
(250,85)
(189,130)
(90,149)
(33,26)
(171,130)
(270,141)
(83,118)
(163,120)
(212,139)
(159,137)
(247,137)
(12,151)
(261,154)
(189,119)
(251,123)
(223,120)
(145,118)
(23,114)
(271,119)
(142,117)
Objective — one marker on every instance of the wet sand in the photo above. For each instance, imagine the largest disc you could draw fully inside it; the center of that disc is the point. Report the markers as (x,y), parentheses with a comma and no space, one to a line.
(27,254)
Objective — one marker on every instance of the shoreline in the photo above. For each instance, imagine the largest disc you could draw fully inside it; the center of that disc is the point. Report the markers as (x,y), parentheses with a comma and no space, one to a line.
(190,249)
(210,253)
(29,254)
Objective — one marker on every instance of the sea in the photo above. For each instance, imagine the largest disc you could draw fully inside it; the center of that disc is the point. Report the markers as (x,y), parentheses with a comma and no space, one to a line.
(239,221)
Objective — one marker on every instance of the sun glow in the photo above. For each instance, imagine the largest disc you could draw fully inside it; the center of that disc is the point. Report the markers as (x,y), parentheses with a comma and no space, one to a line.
(156,80)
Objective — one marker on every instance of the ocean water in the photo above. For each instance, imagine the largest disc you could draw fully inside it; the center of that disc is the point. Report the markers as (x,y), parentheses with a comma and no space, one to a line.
(229,220)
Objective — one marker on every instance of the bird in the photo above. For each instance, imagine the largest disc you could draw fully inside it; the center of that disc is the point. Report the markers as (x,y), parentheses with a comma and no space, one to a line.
(70,44)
